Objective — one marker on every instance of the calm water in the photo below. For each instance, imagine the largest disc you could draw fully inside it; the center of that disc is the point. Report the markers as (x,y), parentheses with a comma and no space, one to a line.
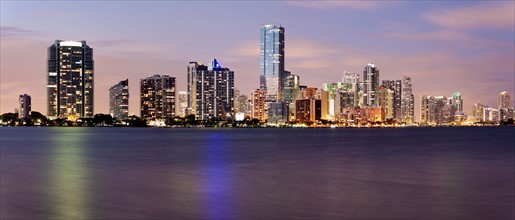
(151,173)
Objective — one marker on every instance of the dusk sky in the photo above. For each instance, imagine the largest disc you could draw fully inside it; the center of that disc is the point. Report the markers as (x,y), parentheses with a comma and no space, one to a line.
(445,47)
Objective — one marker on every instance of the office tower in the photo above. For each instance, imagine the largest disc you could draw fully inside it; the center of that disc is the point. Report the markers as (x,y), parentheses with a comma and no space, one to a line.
(272,62)
(332,90)
(308,110)
(408,101)
(241,102)
(191,88)
(157,98)
(457,102)
(25,107)
(258,105)
(504,100)
(505,110)
(396,87)
(212,91)
(370,84)
(491,114)
(119,100)
(291,92)
(435,110)
(477,112)
(183,103)
(352,85)
(70,80)
(386,99)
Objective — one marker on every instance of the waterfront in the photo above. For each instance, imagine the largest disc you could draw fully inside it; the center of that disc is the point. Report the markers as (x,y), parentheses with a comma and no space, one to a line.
(257,173)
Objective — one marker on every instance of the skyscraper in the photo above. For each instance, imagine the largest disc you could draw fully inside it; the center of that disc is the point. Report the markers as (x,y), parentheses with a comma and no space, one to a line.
(214,90)
(371,84)
(272,62)
(258,105)
(70,80)
(157,98)
(396,87)
(504,100)
(457,102)
(24,107)
(408,101)
(183,103)
(119,100)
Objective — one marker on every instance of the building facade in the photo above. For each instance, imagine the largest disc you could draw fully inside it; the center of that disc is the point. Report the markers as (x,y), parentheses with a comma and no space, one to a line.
(24,107)
(119,100)
(182,103)
(370,84)
(396,87)
(272,62)
(70,80)
(258,105)
(408,101)
(213,91)
(157,98)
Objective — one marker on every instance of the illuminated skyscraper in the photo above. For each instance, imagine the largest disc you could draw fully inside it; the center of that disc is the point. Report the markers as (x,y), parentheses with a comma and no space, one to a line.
(371,84)
(157,98)
(119,100)
(182,103)
(504,100)
(457,102)
(408,101)
(258,105)
(396,87)
(70,80)
(477,112)
(272,62)
(212,91)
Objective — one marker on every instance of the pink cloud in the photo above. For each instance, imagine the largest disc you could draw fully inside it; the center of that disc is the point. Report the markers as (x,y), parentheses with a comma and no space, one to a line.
(499,15)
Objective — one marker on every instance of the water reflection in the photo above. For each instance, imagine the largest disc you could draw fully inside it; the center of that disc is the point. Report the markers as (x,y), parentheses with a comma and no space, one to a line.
(69,175)
(217,184)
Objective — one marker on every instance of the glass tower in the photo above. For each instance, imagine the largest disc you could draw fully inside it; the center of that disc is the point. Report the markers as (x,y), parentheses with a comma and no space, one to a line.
(272,62)
(119,100)
(70,80)
(371,84)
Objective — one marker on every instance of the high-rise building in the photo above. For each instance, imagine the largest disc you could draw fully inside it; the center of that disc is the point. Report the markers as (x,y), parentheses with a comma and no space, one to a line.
(258,105)
(291,92)
(491,114)
(435,110)
(70,80)
(119,100)
(157,98)
(504,100)
(25,107)
(182,103)
(370,84)
(272,62)
(457,102)
(241,103)
(477,112)
(213,89)
(308,110)
(408,101)
(396,87)
(352,86)
(332,90)
(386,99)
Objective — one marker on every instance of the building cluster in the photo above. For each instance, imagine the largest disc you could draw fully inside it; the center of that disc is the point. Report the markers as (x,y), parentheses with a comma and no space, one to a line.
(356,99)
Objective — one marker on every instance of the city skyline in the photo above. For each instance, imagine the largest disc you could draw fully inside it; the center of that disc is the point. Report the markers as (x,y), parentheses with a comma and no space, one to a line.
(480,78)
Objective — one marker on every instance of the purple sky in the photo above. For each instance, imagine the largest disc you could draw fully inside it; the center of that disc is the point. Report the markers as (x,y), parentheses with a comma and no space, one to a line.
(443,46)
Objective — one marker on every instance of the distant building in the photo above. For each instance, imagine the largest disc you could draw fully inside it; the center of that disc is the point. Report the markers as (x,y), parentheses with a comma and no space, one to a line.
(477,112)
(119,100)
(272,62)
(157,98)
(436,110)
(308,110)
(241,103)
(491,115)
(182,103)
(211,91)
(70,80)
(457,102)
(505,110)
(25,107)
(291,92)
(386,99)
(371,84)
(258,105)
(396,87)
(408,101)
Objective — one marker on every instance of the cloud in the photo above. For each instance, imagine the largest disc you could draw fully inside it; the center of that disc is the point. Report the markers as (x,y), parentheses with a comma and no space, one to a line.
(336,4)
(15,32)
(480,16)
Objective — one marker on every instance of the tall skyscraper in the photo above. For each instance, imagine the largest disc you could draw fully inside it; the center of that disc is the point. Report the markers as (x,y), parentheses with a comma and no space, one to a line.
(25,107)
(371,84)
(477,112)
(70,80)
(157,98)
(272,62)
(408,101)
(396,87)
(241,103)
(183,103)
(214,90)
(119,100)
(386,99)
(457,102)
(504,100)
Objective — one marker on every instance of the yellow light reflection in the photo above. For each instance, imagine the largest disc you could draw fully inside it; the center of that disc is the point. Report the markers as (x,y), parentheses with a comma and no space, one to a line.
(69,174)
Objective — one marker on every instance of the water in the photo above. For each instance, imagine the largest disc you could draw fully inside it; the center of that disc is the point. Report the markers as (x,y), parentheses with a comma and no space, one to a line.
(152,173)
